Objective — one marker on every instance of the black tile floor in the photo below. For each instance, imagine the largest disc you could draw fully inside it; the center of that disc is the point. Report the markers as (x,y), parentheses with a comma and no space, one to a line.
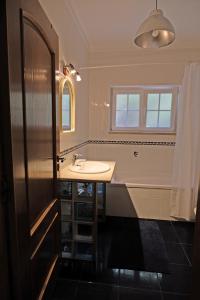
(79,281)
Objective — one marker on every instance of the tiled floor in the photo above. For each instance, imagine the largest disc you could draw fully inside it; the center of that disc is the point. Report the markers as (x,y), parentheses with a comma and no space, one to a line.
(79,281)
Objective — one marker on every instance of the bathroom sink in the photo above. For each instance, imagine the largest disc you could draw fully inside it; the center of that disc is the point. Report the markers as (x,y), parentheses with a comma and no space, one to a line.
(90,167)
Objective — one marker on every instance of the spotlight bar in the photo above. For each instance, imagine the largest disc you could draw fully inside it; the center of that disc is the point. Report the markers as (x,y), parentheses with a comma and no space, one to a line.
(70,70)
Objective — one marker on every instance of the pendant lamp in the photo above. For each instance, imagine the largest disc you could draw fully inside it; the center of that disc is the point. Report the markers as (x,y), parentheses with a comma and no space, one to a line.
(156,31)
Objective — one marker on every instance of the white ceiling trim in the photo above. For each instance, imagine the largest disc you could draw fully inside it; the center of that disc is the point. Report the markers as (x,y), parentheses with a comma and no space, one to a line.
(147,57)
(76,20)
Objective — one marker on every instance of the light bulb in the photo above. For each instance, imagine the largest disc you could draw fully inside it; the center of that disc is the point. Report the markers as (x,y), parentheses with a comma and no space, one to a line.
(155,33)
(78,77)
(72,71)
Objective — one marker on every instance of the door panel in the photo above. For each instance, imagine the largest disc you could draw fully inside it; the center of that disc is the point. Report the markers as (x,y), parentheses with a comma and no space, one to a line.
(44,258)
(39,123)
(37,232)
(40,156)
(4,279)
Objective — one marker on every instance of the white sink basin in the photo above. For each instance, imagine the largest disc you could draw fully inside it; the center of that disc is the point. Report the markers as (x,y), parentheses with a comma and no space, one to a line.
(90,167)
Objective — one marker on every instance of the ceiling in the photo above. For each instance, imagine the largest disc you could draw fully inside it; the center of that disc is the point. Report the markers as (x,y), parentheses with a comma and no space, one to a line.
(110,25)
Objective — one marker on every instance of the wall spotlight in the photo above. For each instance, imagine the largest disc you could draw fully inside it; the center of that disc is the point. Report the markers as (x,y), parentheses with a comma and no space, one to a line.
(78,76)
(70,70)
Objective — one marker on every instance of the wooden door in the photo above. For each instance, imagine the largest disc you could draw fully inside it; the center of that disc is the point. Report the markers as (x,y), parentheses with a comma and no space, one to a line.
(29,57)
(4,275)
(39,111)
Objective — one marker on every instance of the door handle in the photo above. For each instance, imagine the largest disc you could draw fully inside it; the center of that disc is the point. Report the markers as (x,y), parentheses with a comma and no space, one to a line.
(60,159)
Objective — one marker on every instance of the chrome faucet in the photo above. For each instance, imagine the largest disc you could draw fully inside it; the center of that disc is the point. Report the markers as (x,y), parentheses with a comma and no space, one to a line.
(75,157)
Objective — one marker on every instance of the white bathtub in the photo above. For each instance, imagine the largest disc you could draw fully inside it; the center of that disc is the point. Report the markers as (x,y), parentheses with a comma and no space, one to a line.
(139,197)
(158,183)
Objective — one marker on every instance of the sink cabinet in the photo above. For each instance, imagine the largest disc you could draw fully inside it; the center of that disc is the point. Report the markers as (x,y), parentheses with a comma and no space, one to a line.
(82,207)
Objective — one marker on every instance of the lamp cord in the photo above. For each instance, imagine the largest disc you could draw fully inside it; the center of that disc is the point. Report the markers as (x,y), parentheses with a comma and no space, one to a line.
(156,4)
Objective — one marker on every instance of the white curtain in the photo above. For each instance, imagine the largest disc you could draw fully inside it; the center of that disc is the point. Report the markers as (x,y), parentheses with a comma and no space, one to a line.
(186,167)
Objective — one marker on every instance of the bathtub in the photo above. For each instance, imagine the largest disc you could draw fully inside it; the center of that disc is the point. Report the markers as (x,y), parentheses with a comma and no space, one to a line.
(147,198)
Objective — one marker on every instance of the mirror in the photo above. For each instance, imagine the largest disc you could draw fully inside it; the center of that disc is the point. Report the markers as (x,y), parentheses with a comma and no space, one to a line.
(67,105)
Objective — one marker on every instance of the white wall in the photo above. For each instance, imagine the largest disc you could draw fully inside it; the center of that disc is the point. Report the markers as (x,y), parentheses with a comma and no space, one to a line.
(152,162)
(148,68)
(73,48)
(152,68)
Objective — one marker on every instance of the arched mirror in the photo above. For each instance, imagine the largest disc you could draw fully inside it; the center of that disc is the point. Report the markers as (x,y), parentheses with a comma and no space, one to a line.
(67,105)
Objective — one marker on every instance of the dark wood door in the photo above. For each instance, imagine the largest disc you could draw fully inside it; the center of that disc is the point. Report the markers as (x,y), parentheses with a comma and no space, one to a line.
(39,111)
(29,57)
(4,277)
(38,106)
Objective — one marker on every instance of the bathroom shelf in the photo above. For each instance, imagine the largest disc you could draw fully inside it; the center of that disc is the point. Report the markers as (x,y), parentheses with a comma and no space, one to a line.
(84,222)
(82,207)
(64,189)
(83,200)
(65,219)
(84,257)
(67,255)
(69,241)
(83,240)
(66,200)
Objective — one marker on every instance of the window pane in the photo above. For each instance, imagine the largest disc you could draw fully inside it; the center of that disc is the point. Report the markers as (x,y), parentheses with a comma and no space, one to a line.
(121,102)
(165,101)
(133,119)
(152,119)
(152,101)
(65,101)
(66,119)
(133,101)
(165,119)
(121,118)
(65,111)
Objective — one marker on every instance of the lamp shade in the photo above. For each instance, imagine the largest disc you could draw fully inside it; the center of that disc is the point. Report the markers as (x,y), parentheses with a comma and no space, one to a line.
(155,32)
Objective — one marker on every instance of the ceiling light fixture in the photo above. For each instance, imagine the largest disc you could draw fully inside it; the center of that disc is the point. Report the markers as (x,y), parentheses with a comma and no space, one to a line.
(156,31)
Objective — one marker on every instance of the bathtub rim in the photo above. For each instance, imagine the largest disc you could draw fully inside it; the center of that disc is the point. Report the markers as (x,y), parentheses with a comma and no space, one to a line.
(130,185)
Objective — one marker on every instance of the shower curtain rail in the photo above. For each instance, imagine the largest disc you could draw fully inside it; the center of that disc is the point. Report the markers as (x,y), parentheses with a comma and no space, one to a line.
(138,64)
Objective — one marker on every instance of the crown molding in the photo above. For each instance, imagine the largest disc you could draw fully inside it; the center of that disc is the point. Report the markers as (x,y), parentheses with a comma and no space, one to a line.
(139,56)
(77,22)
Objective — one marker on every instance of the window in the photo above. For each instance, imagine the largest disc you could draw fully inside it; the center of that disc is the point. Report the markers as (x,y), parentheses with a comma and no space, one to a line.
(143,109)
(66,109)
(67,106)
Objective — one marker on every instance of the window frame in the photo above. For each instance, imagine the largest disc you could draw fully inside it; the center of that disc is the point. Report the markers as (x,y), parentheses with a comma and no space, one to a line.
(143,91)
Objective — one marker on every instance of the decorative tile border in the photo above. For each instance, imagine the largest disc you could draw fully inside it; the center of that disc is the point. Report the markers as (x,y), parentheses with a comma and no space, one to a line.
(132,143)
(67,151)
(104,142)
